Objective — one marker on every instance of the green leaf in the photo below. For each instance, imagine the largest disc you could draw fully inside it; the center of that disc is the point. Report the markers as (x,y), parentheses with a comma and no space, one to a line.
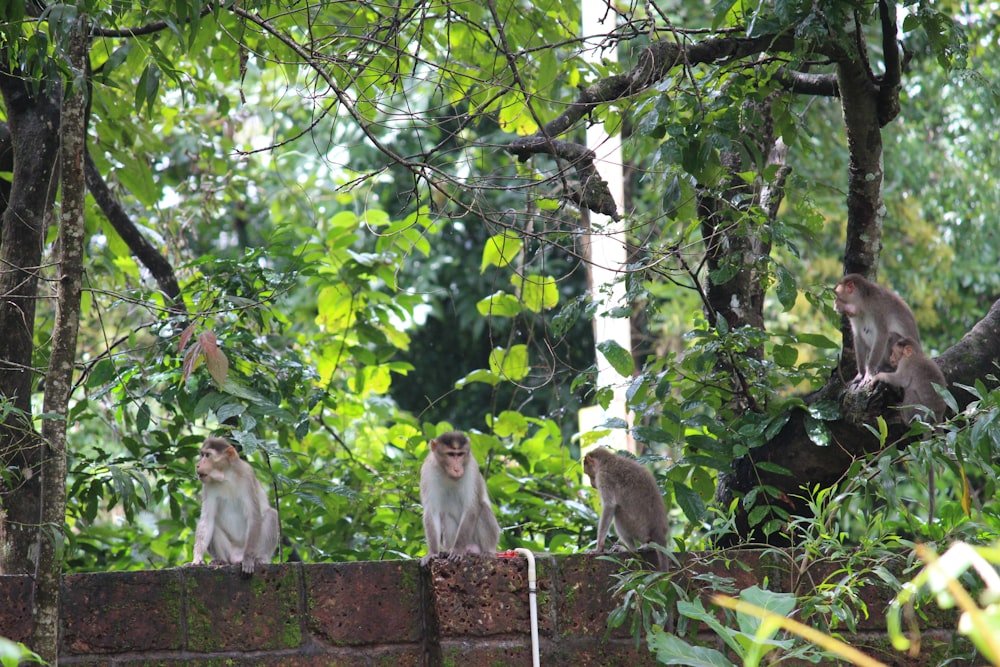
(619,358)
(500,250)
(785,356)
(499,304)
(767,466)
(690,502)
(480,375)
(787,290)
(13,654)
(817,430)
(537,292)
(672,650)
(817,340)
(511,364)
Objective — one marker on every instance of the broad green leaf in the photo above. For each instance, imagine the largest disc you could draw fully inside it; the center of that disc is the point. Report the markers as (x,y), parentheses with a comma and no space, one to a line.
(537,292)
(334,307)
(481,375)
(690,502)
(500,250)
(511,364)
(619,358)
(499,304)
(817,340)
(510,423)
(785,356)
(672,650)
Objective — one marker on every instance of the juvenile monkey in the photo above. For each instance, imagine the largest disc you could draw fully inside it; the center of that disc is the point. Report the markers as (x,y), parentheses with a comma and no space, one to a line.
(874,312)
(629,497)
(915,372)
(458,516)
(237,524)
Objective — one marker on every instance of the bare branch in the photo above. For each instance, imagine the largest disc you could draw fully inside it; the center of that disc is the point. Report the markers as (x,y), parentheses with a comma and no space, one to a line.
(975,356)
(804,83)
(654,63)
(161,269)
(888,92)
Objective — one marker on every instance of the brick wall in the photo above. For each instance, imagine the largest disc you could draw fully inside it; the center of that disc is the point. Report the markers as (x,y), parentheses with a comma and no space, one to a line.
(381,613)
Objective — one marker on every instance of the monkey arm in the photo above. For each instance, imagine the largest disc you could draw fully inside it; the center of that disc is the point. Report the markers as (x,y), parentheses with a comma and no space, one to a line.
(608,506)
(251,510)
(467,524)
(888,378)
(205,529)
(432,530)
(487,529)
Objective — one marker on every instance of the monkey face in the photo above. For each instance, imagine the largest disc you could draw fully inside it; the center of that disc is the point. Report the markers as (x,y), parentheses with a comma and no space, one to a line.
(844,303)
(451,451)
(588,467)
(212,465)
(454,462)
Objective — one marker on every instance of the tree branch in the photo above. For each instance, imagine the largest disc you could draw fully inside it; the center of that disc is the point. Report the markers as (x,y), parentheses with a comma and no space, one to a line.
(804,83)
(888,91)
(974,356)
(653,64)
(161,269)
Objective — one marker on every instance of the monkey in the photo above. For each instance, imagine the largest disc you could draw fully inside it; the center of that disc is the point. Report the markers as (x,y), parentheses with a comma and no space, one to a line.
(874,312)
(630,498)
(237,524)
(915,372)
(458,516)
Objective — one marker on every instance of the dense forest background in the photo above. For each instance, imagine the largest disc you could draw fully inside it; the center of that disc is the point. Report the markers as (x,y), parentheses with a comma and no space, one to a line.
(332,230)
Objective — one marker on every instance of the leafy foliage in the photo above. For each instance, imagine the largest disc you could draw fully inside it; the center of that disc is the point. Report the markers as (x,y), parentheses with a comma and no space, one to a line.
(363,269)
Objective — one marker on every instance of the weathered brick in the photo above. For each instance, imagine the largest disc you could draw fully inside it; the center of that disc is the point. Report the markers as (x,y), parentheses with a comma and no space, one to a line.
(363,603)
(481,597)
(585,596)
(227,610)
(119,612)
(15,607)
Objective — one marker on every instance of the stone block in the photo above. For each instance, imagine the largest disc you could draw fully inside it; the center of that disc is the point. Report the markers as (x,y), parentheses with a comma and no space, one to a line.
(364,603)
(227,611)
(120,612)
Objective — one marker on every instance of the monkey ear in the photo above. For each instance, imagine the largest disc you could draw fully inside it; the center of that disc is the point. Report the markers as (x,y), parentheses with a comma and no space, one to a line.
(231,453)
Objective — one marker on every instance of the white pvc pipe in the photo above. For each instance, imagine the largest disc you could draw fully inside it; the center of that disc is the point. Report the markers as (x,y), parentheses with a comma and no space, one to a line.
(532,604)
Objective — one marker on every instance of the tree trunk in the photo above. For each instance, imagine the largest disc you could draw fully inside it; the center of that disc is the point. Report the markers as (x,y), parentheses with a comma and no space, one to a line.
(59,380)
(846,438)
(33,117)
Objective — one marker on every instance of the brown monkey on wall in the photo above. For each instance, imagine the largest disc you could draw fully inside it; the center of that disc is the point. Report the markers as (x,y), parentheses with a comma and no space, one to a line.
(630,498)
(458,516)
(237,524)
(874,312)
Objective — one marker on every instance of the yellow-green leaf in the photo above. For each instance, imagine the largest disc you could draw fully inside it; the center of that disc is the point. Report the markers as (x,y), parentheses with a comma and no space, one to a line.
(537,292)
(499,304)
(501,250)
(511,364)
